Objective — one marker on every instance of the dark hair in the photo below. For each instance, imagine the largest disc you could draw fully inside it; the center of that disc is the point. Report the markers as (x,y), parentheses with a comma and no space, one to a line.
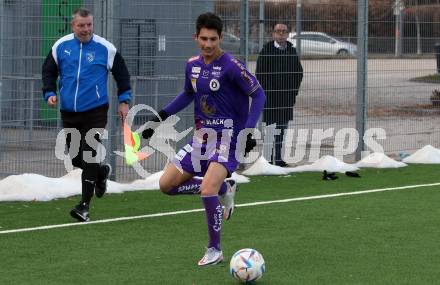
(209,21)
(82,12)
(280,23)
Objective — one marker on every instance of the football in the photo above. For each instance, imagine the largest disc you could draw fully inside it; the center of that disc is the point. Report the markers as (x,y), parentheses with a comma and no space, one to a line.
(247,265)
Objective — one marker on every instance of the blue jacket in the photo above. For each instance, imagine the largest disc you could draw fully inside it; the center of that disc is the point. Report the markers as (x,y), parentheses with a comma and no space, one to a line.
(83,71)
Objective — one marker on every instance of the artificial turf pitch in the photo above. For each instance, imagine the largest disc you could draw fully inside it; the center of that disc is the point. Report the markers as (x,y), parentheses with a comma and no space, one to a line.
(388,237)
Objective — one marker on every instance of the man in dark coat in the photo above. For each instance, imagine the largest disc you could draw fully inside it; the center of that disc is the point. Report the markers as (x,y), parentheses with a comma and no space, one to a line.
(280,73)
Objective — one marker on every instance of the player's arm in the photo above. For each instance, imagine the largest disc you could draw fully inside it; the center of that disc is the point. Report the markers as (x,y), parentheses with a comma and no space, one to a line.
(122,77)
(49,76)
(257,105)
(249,86)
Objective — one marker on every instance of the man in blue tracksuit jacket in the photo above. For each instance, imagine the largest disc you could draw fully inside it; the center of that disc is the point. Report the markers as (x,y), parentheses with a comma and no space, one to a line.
(82,61)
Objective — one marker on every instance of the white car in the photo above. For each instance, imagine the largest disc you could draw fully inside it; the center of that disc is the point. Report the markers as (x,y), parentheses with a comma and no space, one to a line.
(231,43)
(316,43)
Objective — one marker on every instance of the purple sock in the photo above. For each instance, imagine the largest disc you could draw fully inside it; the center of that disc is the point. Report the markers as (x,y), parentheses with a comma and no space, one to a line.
(191,186)
(223,189)
(214,217)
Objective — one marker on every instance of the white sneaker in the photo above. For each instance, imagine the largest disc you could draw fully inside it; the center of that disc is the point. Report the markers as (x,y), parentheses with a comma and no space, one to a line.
(228,199)
(212,256)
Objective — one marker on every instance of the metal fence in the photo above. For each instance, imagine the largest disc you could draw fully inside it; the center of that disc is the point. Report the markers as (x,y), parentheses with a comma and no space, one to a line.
(155,38)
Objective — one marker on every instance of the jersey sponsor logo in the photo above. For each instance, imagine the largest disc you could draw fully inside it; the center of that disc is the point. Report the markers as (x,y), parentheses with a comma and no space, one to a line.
(216,73)
(205,107)
(218,68)
(218,218)
(68,51)
(213,122)
(191,188)
(247,78)
(90,56)
(214,85)
(194,84)
(196,69)
(238,63)
(188,148)
(180,155)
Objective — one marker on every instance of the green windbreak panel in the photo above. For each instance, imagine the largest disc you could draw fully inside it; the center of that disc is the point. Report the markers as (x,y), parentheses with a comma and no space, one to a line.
(57,15)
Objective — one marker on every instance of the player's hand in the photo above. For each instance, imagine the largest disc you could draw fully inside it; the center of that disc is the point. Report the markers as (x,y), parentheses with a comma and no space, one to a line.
(153,124)
(52,101)
(250,144)
(51,98)
(123,110)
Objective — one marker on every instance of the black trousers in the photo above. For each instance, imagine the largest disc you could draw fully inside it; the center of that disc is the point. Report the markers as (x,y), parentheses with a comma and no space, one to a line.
(84,122)
(278,110)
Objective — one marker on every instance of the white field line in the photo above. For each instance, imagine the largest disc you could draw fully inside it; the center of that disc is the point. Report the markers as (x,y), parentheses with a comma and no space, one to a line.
(201,210)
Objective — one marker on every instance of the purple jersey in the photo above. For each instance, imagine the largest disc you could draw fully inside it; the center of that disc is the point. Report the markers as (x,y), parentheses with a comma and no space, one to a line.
(221,91)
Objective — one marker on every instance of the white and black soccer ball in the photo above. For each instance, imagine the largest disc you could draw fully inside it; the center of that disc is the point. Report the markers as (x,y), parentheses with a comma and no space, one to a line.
(247,265)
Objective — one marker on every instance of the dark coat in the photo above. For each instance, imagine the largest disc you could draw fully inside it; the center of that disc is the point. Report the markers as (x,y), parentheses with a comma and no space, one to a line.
(280,74)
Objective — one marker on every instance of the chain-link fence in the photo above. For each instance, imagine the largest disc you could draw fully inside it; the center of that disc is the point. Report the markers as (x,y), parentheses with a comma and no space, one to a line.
(155,38)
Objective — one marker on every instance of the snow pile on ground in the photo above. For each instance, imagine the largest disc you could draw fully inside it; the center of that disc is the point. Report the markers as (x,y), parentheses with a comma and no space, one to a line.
(30,187)
(379,160)
(149,183)
(239,178)
(329,163)
(35,187)
(428,155)
(263,167)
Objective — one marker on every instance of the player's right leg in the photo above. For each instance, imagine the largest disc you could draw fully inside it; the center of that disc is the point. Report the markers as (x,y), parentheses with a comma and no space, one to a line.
(176,181)
(212,256)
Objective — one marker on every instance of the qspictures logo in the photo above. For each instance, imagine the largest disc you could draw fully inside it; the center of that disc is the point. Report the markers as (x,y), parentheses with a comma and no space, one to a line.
(220,143)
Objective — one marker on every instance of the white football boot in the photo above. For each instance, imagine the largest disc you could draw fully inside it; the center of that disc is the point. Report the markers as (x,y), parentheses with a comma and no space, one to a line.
(212,256)
(228,199)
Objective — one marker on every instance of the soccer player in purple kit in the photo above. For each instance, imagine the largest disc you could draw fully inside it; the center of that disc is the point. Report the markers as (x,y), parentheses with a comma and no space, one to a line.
(220,87)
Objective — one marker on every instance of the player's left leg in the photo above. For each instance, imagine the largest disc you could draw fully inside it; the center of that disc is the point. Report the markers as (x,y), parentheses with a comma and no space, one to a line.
(178,176)
(90,123)
(212,181)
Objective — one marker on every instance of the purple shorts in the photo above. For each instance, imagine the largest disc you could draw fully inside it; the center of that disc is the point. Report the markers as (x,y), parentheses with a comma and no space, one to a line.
(195,157)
